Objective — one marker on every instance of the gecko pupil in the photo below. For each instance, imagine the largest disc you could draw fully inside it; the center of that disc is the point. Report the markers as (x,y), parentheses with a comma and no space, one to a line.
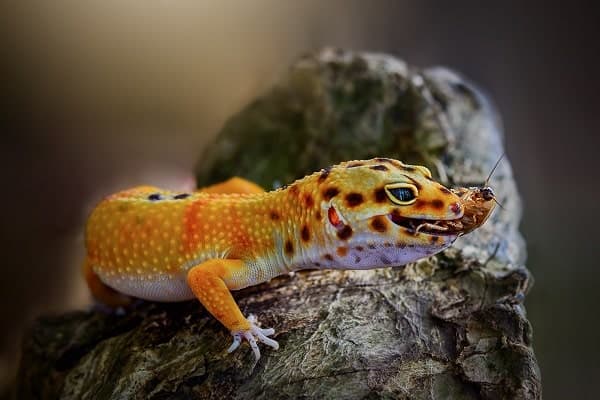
(403,194)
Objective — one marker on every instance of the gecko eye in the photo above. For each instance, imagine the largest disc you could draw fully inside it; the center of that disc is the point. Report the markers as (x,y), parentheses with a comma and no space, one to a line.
(402,193)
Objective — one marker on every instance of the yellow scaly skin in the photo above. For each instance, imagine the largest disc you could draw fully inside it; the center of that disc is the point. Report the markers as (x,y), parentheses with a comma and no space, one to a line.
(165,246)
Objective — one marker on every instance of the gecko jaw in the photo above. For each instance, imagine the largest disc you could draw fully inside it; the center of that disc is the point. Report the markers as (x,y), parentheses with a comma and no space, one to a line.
(432,227)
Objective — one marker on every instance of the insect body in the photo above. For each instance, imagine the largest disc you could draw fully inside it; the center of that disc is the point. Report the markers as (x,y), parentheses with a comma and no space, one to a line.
(165,246)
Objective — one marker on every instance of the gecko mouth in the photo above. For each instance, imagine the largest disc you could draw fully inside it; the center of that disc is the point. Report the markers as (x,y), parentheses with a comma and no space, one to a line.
(433,227)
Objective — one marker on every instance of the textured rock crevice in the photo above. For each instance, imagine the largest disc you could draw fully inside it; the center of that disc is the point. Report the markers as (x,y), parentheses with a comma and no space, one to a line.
(450,326)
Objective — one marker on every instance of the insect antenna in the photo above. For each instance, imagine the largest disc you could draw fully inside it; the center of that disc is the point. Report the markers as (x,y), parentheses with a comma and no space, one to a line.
(487,181)
(487,189)
(499,204)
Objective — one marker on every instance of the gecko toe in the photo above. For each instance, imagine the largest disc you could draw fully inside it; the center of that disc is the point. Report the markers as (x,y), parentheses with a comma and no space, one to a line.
(253,336)
(237,340)
(267,332)
(266,340)
(252,342)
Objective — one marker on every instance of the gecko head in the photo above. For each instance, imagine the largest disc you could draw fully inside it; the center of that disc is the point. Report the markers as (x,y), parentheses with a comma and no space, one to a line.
(396,213)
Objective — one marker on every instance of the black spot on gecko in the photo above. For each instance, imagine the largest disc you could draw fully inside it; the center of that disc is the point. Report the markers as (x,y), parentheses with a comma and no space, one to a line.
(324,174)
(345,232)
(385,260)
(434,239)
(380,168)
(388,160)
(357,259)
(274,215)
(371,246)
(400,245)
(380,195)
(359,248)
(328,257)
(330,192)
(305,233)
(378,224)
(354,199)
(437,204)
(308,200)
(289,247)
(181,196)
(154,197)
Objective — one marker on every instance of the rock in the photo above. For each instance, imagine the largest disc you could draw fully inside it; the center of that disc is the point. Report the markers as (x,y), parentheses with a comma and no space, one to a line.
(450,326)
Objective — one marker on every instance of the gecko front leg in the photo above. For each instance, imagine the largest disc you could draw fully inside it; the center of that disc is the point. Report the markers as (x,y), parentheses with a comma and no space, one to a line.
(211,282)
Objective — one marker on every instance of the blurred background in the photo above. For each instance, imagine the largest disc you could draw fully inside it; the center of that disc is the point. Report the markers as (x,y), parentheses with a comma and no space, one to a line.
(102,95)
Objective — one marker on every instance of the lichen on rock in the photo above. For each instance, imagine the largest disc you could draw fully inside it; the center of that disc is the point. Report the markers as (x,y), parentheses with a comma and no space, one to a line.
(449,326)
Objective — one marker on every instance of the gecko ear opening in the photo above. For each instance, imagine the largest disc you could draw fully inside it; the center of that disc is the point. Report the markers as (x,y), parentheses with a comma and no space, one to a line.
(334,218)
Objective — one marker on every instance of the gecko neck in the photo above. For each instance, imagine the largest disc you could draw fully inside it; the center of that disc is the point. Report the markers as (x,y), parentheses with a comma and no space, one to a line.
(295,220)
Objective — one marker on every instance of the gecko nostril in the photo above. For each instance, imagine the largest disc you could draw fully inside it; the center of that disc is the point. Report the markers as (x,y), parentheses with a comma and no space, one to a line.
(456,208)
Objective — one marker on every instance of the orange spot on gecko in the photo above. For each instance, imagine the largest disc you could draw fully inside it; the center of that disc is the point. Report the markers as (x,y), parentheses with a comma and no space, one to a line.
(190,236)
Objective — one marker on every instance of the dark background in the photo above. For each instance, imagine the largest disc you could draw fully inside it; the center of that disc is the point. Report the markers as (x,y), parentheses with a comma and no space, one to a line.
(99,96)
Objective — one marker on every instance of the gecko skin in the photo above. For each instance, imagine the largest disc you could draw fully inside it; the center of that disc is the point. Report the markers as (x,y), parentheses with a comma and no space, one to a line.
(165,246)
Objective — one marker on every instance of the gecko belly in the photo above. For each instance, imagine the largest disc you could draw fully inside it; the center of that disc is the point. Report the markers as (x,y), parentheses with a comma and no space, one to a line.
(158,287)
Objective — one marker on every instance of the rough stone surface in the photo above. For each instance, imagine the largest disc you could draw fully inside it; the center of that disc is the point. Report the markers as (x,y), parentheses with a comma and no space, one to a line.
(450,326)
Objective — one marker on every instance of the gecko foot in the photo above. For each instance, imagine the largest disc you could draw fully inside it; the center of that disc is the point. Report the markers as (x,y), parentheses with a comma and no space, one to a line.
(253,335)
